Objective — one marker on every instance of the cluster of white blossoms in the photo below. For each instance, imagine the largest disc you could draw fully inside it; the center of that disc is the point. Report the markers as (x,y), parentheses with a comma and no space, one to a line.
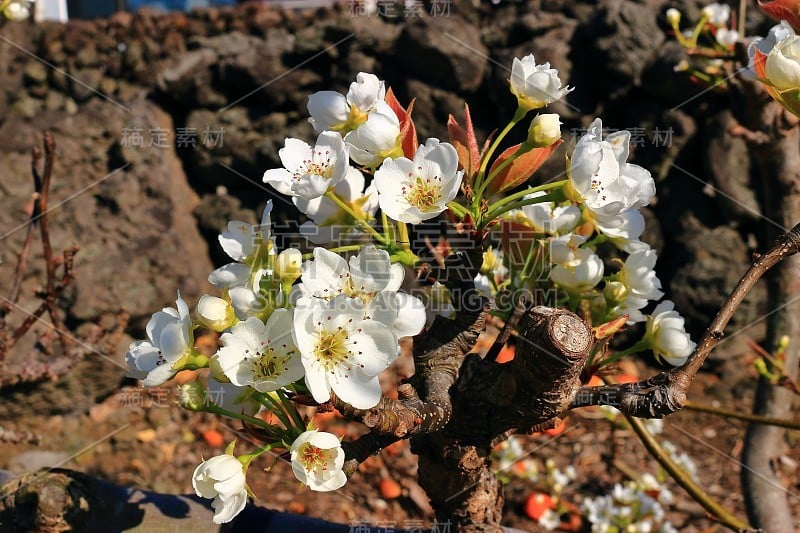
(324,322)
(603,196)
(635,506)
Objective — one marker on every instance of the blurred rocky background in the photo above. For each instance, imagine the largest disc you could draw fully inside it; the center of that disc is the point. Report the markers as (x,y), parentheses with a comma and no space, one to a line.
(165,124)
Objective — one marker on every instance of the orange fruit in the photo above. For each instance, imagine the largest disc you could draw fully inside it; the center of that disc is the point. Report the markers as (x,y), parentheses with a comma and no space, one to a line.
(214,438)
(390,489)
(537,503)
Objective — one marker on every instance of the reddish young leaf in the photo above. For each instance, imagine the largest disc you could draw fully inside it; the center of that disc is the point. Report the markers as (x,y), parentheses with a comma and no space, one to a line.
(408,132)
(465,143)
(788,10)
(521,169)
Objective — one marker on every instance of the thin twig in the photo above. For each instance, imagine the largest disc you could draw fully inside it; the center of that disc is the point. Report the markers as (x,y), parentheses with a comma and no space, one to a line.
(49,161)
(683,478)
(738,415)
(665,393)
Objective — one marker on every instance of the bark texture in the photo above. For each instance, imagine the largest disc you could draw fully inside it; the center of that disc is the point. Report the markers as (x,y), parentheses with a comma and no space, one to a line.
(765,497)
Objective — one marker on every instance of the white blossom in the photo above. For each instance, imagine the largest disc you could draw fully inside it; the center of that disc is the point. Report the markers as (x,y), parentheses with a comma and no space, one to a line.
(549,218)
(262,356)
(783,64)
(317,460)
(564,249)
(413,191)
(667,334)
(377,138)
(329,223)
(636,284)
(372,278)
(599,173)
(222,478)
(242,242)
(623,229)
(535,85)
(330,110)
(310,172)
(169,334)
(545,129)
(550,520)
(232,397)
(717,14)
(726,37)
(341,351)
(246,299)
(673,17)
(777,34)
(581,274)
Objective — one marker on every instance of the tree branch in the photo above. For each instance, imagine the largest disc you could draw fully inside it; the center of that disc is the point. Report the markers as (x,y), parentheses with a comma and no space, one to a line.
(665,393)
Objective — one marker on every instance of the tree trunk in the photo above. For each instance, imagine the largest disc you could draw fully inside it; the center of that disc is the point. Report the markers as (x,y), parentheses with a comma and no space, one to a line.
(765,497)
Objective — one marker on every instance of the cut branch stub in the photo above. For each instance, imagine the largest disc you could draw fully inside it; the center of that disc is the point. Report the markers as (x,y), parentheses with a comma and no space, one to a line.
(552,350)
(492,399)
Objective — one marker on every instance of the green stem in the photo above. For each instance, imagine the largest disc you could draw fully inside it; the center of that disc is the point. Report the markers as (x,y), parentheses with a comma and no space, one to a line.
(248,458)
(766,420)
(684,479)
(338,250)
(638,347)
(269,428)
(275,408)
(356,216)
(402,236)
(697,30)
(496,212)
(530,190)
(525,273)
(385,226)
(458,209)
(290,408)
(519,114)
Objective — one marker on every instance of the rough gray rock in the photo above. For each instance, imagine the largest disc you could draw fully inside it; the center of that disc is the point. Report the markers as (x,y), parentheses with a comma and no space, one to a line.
(441,52)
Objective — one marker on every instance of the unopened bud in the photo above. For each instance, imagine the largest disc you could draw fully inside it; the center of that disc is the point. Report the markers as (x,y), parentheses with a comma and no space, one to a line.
(192,396)
(215,313)
(673,17)
(615,292)
(544,130)
(289,265)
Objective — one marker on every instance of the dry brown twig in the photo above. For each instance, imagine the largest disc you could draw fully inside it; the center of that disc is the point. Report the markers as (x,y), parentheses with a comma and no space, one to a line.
(59,274)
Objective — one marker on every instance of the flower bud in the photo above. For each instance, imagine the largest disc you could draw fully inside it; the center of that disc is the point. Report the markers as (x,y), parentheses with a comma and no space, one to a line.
(673,17)
(289,265)
(17,10)
(192,396)
(615,292)
(783,64)
(544,130)
(215,313)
